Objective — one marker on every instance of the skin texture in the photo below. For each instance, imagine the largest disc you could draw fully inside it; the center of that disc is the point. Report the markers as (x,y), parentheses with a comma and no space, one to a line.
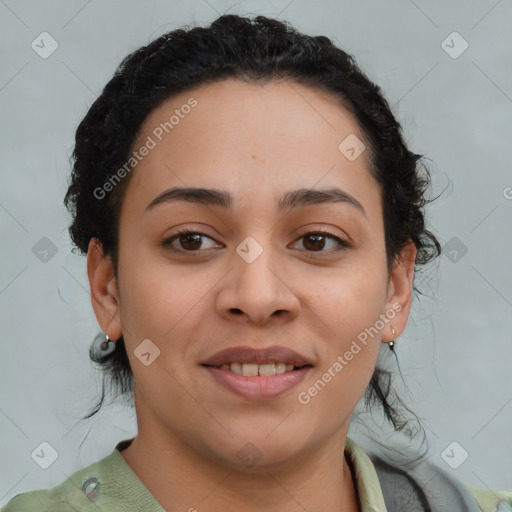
(257,142)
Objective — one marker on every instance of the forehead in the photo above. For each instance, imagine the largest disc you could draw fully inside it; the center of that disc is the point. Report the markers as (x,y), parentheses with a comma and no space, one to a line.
(262,140)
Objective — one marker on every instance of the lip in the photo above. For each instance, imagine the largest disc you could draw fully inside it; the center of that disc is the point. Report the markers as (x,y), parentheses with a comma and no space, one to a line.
(245,354)
(260,387)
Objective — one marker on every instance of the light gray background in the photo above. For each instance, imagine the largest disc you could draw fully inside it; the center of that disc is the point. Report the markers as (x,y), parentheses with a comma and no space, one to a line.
(456,352)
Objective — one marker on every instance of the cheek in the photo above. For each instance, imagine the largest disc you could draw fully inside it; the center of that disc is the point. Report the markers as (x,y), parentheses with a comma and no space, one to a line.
(157,296)
(347,298)
(348,348)
(347,306)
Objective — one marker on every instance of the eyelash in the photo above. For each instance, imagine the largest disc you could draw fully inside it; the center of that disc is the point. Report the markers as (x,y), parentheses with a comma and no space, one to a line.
(344,245)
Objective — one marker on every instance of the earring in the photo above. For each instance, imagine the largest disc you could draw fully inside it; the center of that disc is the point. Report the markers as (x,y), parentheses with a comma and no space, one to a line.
(101,347)
(391,344)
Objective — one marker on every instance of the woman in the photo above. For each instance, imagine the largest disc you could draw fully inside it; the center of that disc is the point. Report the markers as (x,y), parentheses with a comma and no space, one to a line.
(252,220)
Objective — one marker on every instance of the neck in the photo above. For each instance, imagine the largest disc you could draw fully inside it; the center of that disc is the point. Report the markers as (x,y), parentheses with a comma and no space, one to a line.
(181,478)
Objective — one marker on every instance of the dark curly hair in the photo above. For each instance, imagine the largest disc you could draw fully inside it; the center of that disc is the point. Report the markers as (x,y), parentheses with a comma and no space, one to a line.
(256,50)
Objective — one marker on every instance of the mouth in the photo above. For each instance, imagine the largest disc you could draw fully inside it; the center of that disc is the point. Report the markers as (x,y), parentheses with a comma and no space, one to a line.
(254,385)
(258,374)
(263,369)
(236,358)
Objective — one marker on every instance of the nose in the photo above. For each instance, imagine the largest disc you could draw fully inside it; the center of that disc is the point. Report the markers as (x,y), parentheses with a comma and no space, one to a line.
(258,287)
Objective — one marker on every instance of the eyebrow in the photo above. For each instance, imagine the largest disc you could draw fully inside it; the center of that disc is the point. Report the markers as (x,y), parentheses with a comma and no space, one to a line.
(290,200)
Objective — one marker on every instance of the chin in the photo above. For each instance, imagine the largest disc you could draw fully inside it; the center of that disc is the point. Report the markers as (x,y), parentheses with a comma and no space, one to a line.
(261,451)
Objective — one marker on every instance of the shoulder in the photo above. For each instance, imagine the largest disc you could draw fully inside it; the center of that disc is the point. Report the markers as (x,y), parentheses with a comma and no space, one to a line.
(41,500)
(491,500)
(32,500)
(435,486)
(108,484)
(67,496)
(62,498)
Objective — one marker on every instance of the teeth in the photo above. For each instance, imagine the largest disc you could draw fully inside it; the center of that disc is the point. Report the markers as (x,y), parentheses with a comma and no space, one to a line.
(236,368)
(280,367)
(252,370)
(267,369)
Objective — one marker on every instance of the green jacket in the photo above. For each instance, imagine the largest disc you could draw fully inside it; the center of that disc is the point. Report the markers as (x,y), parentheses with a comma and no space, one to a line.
(120,489)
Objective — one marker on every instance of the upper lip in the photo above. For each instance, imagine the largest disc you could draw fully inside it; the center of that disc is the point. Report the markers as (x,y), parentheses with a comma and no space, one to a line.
(241,354)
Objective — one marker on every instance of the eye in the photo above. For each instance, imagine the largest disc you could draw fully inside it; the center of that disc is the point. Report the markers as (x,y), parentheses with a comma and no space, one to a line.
(316,240)
(190,241)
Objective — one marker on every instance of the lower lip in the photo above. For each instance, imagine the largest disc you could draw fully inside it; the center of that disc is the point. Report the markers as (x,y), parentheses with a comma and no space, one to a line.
(259,387)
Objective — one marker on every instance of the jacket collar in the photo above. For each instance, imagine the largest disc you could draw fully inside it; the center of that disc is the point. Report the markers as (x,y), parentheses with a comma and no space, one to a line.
(367,482)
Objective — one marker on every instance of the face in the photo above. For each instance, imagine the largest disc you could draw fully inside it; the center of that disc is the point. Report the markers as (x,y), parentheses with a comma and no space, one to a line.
(310,276)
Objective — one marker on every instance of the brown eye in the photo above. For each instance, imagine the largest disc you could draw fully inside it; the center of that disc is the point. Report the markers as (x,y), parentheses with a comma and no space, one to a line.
(314,241)
(189,241)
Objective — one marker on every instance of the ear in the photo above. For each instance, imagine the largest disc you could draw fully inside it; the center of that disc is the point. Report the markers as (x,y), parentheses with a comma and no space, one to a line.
(104,291)
(400,291)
